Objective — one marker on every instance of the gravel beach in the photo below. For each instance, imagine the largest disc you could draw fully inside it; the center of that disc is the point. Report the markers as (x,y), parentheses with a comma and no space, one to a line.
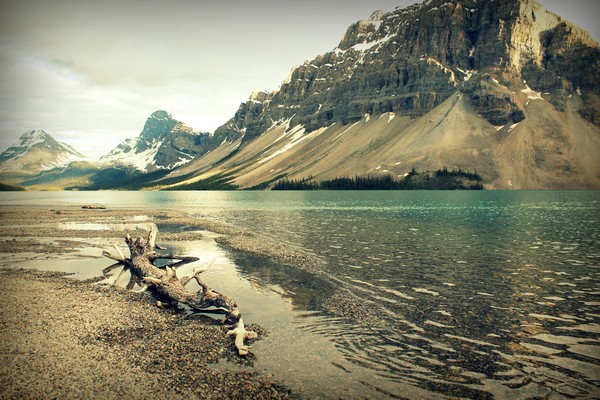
(68,338)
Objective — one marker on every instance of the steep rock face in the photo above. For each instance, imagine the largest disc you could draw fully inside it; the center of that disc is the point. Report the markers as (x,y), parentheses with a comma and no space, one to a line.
(411,60)
(37,151)
(491,102)
(164,143)
(501,57)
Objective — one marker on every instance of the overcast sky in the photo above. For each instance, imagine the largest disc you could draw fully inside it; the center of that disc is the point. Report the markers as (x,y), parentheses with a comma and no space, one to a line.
(90,72)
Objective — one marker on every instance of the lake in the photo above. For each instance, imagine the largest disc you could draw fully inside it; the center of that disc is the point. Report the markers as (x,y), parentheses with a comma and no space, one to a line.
(421,294)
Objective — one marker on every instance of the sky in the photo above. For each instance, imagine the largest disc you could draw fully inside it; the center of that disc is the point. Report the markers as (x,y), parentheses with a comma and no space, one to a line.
(90,72)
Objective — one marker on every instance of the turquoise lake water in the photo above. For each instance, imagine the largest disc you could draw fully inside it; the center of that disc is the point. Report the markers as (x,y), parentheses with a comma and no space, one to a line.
(487,294)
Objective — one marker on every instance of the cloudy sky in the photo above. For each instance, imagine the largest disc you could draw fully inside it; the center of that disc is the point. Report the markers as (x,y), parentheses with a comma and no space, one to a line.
(91,71)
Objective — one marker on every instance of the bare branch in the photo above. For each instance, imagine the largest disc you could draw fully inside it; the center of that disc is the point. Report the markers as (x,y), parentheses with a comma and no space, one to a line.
(241,334)
(111,267)
(156,256)
(152,237)
(152,280)
(186,279)
(204,287)
(119,252)
(113,257)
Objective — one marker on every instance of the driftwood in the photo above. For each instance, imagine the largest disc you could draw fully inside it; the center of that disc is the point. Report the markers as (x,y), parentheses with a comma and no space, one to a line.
(170,290)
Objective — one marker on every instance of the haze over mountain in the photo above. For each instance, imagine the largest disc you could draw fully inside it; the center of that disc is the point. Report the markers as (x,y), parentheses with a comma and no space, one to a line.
(501,87)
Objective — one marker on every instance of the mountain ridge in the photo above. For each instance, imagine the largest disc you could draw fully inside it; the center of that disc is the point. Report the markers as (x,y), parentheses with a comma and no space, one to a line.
(163,144)
(500,57)
(38,151)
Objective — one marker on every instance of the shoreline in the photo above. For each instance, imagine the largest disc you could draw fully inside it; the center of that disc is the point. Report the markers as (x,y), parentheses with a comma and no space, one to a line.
(69,338)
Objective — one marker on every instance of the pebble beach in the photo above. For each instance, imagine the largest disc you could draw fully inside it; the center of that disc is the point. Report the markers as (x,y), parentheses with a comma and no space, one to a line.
(70,338)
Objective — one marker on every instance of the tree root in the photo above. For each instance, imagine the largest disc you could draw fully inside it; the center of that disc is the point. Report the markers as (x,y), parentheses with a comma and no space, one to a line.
(171,290)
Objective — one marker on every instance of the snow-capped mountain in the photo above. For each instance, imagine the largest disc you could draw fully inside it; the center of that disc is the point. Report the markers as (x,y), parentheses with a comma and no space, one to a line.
(502,87)
(164,143)
(38,151)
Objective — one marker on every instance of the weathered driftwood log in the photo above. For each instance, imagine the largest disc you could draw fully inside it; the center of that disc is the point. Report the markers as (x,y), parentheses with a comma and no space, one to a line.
(92,207)
(171,290)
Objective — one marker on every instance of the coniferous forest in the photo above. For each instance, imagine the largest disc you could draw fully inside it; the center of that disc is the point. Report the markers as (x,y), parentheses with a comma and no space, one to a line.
(442,179)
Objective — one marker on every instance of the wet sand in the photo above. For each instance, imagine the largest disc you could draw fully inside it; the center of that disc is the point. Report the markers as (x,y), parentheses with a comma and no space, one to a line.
(67,338)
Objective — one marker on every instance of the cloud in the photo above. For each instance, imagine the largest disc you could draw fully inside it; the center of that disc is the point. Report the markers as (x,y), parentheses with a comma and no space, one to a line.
(93,116)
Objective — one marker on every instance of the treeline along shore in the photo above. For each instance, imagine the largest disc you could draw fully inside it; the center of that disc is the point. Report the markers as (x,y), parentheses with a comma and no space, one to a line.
(442,179)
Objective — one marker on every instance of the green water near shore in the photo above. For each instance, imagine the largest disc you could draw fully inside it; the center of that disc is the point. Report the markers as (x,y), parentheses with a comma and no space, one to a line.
(432,294)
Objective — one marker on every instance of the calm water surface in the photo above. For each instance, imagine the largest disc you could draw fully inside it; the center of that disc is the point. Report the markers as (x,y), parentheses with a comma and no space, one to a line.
(441,294)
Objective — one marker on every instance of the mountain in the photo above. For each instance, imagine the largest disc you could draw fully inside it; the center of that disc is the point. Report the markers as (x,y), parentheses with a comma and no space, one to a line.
(164,144)
(501,87)
(37,151)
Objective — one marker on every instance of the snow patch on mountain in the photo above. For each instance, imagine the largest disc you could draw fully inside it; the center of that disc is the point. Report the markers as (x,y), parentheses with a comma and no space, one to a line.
(63,160)
(294,137)
(128,153)
(37,151)
(532,94)
(369,45)
(164,143)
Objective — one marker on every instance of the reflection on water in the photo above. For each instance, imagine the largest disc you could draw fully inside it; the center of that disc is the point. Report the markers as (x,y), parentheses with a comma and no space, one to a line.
(422,294)
(83,264)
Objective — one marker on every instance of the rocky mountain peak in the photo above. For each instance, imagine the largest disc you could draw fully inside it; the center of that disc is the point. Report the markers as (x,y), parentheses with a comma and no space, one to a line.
(160,115)
(157,126)
(360,32)
(377,15)
(164,143)
(259,95)
(33,137)
(492,59)
(37,151)
(412,59)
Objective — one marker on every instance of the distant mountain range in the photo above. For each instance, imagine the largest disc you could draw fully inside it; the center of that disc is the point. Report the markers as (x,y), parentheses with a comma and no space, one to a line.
(38,151)
(504,88)
(40,161)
